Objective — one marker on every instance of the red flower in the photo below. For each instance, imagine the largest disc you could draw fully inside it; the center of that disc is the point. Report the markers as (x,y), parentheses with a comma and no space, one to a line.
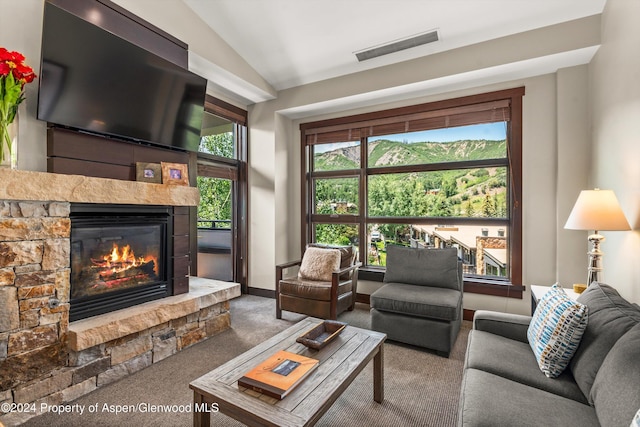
(12,62)
(23,72)
(17,56)
(14,74)
(5,55)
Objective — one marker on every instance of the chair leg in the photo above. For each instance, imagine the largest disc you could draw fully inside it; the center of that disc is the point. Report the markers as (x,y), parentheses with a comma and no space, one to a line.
(333,311)
(278,309)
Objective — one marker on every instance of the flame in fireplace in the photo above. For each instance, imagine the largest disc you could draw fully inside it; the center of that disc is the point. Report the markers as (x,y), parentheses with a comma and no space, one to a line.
(120,260)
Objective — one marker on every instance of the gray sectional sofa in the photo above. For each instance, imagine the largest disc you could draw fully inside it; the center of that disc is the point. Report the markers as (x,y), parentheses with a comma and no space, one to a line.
(503,386)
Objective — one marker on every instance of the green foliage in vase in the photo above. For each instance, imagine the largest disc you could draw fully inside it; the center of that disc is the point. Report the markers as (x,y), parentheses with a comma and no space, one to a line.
(14,74)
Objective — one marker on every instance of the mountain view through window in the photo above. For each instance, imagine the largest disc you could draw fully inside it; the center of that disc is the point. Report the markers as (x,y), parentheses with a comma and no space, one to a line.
(419,179)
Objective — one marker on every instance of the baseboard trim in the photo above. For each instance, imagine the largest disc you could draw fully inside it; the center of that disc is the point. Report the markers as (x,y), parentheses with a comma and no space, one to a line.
(266,293)
(363,298)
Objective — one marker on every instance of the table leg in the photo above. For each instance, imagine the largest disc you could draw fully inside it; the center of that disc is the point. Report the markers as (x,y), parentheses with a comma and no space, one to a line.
(201,417)
(378,375)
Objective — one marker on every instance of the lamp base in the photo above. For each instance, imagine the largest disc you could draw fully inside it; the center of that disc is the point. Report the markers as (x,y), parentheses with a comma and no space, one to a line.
(595,259)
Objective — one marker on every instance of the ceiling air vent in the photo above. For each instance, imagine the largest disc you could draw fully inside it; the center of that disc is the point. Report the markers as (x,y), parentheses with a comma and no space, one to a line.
(396,46)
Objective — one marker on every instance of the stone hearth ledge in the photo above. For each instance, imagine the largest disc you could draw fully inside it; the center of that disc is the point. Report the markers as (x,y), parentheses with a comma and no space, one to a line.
(117,324)
(45,186)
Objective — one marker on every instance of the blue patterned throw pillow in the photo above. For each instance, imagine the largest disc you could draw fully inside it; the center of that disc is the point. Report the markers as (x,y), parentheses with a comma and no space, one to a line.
(555,330)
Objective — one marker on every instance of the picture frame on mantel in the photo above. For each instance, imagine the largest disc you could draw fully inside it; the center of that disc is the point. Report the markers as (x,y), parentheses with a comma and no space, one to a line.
(149,172)
(175,173)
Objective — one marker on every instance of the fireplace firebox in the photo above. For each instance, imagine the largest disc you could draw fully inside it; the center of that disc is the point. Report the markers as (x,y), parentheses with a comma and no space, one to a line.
(120,257)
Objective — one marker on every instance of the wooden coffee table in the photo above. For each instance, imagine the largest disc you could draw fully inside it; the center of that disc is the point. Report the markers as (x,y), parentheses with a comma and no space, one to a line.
(340,363)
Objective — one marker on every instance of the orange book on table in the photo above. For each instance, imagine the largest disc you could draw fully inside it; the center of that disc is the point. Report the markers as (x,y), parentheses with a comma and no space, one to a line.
(279,374)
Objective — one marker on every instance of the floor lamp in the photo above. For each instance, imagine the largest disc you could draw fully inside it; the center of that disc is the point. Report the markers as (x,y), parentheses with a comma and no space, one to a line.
(596,210)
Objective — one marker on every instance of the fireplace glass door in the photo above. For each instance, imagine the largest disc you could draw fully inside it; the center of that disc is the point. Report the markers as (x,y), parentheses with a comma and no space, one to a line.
(107,259)
(117,260)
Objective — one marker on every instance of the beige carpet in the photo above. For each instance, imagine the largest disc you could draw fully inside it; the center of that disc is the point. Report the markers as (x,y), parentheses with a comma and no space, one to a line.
(421,388)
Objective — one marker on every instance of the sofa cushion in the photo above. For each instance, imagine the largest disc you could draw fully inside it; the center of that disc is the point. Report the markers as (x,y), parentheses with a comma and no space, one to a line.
(555,330)
(515,361)
(490,400)
(319,264)
(610,317)
(616,389)
(420,301)
(426,267)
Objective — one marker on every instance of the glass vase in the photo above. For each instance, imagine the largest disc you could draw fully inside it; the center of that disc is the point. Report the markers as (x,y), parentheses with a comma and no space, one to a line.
(9,144)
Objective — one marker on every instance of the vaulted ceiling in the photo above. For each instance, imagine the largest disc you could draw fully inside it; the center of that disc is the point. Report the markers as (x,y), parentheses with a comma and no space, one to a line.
(296,42)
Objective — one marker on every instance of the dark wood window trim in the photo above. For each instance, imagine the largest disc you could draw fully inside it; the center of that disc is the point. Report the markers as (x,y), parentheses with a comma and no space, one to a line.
(482,108)
(225,110)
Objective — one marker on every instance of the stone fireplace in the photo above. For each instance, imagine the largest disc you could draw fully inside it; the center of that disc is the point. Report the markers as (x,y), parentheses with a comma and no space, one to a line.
(46,220)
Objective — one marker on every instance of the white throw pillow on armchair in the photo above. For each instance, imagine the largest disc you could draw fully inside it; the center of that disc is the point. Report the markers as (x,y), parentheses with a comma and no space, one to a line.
(319,264)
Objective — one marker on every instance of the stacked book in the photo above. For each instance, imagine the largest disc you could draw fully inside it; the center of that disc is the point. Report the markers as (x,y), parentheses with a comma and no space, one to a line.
(279,374)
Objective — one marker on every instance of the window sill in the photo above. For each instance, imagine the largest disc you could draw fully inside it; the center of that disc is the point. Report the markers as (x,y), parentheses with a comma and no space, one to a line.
(471,285)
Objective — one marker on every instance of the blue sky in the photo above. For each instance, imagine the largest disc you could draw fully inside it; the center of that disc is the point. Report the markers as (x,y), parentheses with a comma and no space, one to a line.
(495,131)
(491,131)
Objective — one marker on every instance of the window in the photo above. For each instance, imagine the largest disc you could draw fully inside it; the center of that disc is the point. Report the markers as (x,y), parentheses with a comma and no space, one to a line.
(444,174)
(221,215)
(218,136)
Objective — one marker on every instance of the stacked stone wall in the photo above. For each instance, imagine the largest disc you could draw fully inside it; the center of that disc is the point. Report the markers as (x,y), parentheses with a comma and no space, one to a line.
(486,242)
(34,290)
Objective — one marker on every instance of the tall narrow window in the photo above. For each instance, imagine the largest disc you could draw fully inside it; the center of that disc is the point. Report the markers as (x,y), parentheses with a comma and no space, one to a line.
(445,174)
(221,181)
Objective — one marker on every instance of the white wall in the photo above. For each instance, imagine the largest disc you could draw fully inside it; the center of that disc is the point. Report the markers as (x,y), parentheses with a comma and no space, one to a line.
(574,160)
(615,108)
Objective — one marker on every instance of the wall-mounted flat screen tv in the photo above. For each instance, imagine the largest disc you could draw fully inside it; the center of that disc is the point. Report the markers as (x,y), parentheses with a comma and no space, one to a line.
(95,81)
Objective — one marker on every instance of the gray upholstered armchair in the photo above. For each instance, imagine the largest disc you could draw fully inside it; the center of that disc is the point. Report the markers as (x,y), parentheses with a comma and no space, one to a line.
(325,286)
(421,300)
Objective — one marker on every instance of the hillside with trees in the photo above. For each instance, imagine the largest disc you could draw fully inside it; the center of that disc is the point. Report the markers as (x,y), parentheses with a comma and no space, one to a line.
(477,192)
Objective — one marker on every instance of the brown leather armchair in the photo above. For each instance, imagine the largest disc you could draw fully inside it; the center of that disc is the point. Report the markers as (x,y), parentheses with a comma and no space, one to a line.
(324,299)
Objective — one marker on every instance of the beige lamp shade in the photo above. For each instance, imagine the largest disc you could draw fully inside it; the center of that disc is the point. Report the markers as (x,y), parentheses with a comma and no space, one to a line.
(597,210)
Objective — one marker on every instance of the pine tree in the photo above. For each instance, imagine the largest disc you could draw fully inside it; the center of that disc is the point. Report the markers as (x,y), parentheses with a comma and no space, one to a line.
(488,209)
(469,210)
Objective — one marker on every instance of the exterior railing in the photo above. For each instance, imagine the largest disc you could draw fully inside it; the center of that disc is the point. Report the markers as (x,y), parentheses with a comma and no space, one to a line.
(214,224)
(215,237)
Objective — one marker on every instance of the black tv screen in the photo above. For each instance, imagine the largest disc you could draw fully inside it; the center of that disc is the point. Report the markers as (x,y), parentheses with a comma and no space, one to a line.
(95,81)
